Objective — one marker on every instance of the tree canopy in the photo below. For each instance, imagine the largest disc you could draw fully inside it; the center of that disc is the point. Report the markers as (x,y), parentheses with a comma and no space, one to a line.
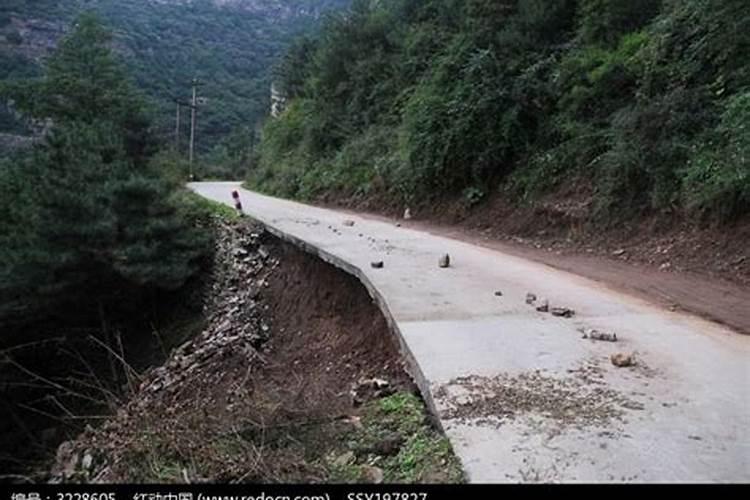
(439,98)
(85,213)
(164,45)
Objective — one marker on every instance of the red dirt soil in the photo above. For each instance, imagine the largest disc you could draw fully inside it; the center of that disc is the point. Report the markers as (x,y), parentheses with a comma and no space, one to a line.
(664,259)
(224,406)
(328,334)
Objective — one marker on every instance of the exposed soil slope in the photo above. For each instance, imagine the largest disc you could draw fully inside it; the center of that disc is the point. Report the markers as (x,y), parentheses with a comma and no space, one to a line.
(296,378)
(666,260)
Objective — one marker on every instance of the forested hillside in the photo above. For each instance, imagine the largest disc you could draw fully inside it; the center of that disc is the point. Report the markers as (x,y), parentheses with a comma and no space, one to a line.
(641,105)
(94,239)
(230,46)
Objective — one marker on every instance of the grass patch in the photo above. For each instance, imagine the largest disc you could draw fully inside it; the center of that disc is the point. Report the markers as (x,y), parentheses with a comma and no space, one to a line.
(201,210)
(396,437)
(391,440)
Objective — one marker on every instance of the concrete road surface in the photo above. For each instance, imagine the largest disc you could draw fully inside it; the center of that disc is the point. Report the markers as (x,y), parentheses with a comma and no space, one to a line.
(520,394)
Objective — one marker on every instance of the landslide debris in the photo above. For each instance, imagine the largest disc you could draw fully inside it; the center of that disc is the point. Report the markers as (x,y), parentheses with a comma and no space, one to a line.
(266,393)
(579,401)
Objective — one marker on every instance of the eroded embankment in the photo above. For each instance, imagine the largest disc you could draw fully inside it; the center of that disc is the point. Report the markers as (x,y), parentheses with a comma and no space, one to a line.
(296,378)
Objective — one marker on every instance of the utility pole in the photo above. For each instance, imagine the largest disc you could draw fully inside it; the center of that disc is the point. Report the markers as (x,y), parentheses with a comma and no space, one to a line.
(193,106)
(177,129)
(178,121)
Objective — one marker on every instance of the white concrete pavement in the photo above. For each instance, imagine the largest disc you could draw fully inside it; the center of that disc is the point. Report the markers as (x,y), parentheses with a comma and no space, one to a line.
(681,414)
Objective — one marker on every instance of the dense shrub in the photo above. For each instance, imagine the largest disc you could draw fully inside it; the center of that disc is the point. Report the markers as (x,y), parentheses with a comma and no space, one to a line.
(642,98)
(86,214)
(716,179)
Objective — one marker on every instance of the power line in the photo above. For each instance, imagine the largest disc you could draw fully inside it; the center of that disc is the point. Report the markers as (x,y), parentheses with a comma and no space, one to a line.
(193,105)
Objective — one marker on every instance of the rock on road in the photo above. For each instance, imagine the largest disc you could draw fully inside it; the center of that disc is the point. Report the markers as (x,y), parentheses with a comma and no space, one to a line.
(520,394)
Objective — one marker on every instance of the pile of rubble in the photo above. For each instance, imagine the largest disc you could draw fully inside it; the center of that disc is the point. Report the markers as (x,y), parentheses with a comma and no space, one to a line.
(620,360)
(580,400)
(542,305)
(234,312)
(236,328)
(235,322)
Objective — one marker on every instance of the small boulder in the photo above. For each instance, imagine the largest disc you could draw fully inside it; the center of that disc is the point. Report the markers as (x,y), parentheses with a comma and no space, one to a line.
(592,334)
(530,298)
(445,261)
(389,445)
(355,422)
(379,383)
(349,223)
(345,459)
(543,306)
(372,474)
(368,389)
(622,360)
(87,462)
(562,312)
(66,461)
(377,264)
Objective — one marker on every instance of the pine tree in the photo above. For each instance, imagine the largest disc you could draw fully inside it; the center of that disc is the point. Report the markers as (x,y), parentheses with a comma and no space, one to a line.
(87,214)
(83,82)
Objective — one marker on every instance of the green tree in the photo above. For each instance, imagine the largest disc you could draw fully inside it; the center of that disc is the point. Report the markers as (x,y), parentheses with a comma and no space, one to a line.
(293,70)
(82,82)
(605,21)
(642,101)
(89,215)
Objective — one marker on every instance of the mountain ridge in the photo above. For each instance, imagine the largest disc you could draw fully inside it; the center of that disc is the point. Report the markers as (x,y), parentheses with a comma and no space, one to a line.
(231,45)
